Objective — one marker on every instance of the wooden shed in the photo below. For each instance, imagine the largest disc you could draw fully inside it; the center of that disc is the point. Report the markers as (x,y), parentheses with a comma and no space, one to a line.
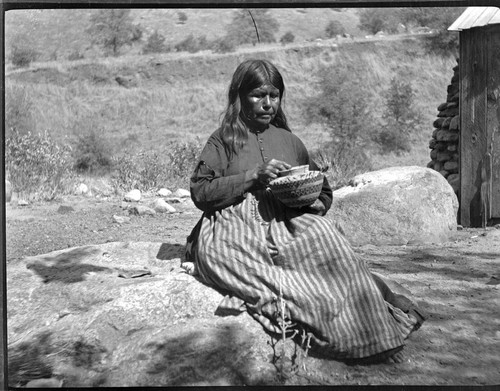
(479,67)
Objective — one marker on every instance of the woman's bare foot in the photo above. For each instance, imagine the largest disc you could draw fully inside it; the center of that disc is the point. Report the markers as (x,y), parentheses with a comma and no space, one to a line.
(190,268)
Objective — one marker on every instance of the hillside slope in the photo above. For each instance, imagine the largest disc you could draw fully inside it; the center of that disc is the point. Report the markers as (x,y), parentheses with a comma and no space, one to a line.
(56,34)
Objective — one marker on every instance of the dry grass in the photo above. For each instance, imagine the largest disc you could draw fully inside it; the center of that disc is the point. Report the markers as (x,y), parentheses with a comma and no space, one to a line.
(183,99)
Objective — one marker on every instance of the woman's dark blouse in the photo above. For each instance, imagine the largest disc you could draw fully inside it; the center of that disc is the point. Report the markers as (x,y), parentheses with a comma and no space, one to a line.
(219,182)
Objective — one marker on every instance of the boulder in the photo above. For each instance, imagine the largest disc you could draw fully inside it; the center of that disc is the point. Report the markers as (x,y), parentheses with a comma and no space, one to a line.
(396,206)
(133,196)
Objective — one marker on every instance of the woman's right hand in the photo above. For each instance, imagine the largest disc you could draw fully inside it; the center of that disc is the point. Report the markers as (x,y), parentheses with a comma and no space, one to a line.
(267,171)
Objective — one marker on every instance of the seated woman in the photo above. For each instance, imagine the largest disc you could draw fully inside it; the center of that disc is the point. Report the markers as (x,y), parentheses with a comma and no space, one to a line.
(252,247)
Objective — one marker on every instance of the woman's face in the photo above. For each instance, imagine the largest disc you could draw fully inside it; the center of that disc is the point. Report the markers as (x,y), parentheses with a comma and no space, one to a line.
(260,106)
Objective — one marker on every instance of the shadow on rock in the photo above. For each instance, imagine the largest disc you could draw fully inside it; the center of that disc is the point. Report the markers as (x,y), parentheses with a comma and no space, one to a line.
(66,267)
(27,361)
(213,356)
(168,251)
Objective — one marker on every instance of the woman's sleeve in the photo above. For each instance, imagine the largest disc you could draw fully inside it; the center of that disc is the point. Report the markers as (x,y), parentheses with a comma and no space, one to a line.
(210,189)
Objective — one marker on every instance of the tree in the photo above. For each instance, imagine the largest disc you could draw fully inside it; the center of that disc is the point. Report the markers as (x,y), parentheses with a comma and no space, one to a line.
(112,29)
(242,30)
(400,116)
(288,37)
(342,108)
(155,44)
(334,28)
(182,17)
(22,51)
(374,20)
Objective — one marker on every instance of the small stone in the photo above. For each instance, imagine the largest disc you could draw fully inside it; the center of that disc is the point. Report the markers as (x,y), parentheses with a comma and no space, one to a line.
(81,189)
(451,112)
(459,227)
(442,106)
(445,135)
(22,202)
(164,192)
(173,200)
(141,210)
(121,219)
(124,205)
(455,122)
(446,123)
(64,209)
(133,196)
(161,206)
(451,166)
(438,122)
(443,156)
(182,193)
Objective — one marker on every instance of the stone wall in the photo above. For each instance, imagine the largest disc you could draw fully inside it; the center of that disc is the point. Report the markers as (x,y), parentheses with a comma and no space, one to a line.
(444,143)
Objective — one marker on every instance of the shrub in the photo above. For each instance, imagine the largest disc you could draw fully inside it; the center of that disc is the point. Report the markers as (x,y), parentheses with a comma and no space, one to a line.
(112,29)
(192,44)
(75,55)
(92,152)
(288,37)
(374,20)
(334,28)
(242,29)
(37,166)
(22,54)
(400,116)
(223,45)
(182,17)
(342,105)
(442,43)
(183,156)
(341,162)
(391,139)
(142,170)
(155,44)
(18,109)
(149,170)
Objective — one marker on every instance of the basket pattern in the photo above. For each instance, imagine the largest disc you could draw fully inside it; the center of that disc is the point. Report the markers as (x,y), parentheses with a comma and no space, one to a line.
(298,190)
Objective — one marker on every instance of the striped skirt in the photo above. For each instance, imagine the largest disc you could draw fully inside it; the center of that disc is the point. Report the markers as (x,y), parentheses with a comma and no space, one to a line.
(259,251)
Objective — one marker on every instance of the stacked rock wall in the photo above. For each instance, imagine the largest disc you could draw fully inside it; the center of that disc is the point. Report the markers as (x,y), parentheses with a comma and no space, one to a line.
(444,143)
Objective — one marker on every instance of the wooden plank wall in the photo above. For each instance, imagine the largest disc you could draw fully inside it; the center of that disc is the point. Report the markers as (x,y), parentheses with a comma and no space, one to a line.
(473,135)
(493,116)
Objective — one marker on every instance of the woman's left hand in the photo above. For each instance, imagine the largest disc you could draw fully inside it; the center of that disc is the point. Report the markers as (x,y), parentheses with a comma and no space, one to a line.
(316,208)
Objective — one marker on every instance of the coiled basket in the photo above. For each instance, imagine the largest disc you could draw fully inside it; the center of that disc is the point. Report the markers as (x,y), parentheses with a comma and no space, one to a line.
(300,190)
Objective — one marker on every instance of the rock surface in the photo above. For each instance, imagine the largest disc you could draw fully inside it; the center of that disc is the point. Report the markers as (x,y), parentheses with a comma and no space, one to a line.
(58,329)
(126,314)
(396,206)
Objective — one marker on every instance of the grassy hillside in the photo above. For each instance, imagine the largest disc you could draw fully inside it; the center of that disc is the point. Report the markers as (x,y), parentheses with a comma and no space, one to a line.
(61,33)
(177,96)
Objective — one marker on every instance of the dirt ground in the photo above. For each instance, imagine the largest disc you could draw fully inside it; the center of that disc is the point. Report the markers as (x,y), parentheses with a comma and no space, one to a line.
(456,282)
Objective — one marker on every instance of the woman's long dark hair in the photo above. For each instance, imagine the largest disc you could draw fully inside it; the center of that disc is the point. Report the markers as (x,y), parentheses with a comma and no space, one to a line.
(250,74)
